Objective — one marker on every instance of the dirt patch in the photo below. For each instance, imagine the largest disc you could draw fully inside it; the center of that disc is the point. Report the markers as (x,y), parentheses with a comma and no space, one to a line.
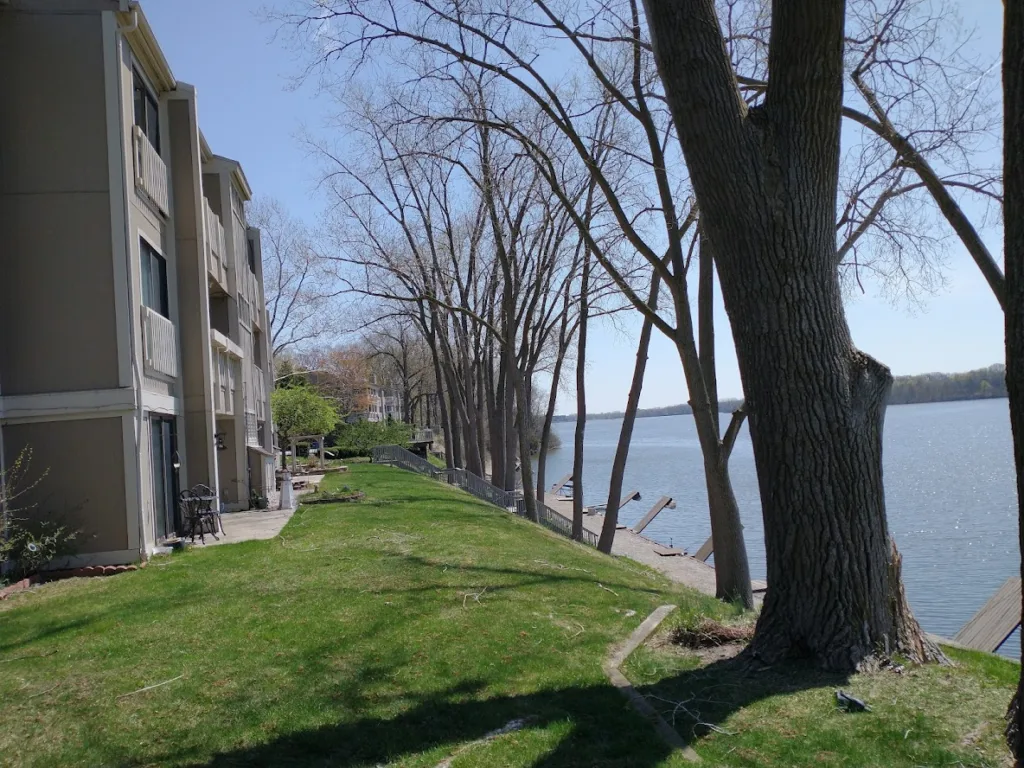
(710,641)
(710,634)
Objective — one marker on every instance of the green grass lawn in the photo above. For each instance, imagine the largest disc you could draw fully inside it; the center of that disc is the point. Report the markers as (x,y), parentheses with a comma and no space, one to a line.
(402,630)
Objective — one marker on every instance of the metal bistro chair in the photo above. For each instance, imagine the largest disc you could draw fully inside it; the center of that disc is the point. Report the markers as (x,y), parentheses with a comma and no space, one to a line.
(209,504)
(196,512)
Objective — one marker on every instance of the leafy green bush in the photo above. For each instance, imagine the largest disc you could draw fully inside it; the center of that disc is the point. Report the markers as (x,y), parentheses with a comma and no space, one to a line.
(361,437)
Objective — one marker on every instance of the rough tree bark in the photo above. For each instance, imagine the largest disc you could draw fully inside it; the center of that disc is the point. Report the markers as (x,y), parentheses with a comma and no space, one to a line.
(1013,244)
(766,182)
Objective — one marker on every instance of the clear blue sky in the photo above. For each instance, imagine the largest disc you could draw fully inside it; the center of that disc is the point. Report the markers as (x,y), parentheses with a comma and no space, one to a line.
(249,111)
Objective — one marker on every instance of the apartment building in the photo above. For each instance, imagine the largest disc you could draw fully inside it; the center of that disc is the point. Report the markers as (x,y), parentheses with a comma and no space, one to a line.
(134,356)
(383,402)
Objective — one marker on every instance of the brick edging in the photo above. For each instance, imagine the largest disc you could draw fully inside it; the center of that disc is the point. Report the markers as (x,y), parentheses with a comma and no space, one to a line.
(89,571)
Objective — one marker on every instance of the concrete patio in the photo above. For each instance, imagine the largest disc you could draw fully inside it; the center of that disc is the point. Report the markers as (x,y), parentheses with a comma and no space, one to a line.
(257,524)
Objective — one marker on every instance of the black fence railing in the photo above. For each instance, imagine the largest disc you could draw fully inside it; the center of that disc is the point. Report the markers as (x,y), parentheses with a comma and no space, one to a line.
(510,501)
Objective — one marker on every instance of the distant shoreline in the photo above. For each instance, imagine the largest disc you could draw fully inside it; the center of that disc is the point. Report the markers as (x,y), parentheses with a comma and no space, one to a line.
(980,384)
(723,409)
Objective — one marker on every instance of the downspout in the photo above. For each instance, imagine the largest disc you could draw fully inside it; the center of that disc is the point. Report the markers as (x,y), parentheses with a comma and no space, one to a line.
(132,308)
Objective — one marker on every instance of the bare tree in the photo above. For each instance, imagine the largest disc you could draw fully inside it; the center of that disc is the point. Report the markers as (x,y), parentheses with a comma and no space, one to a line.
(301,289)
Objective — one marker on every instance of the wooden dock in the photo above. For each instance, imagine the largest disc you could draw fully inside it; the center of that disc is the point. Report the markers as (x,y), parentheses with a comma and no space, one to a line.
(995,622)
(664,501)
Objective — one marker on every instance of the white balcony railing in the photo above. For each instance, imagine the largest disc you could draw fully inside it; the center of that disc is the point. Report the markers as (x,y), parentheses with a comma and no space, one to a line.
(150,171)
(252,434)
(259,391)
(225,378)
(159,341)
(216,262)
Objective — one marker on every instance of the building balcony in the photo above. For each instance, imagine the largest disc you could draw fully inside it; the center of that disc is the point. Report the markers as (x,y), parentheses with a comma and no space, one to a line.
(259,390)
(216,263)
(150,171)
(227,356)
(160,344)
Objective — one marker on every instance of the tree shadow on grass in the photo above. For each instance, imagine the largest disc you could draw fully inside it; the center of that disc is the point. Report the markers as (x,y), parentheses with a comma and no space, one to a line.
(602,728)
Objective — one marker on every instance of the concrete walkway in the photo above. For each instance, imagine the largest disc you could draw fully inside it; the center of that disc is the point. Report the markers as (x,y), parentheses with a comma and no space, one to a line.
(256,524)
(679,567)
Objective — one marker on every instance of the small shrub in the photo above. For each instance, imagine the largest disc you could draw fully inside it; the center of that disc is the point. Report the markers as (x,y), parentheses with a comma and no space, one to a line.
(27,544)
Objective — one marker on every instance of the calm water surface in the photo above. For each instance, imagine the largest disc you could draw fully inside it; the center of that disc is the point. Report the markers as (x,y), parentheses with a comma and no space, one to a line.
(949,484)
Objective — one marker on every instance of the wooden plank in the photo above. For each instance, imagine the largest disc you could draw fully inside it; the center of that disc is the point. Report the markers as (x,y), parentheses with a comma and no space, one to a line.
(558,486)
(663,502)
(706,550)
(996,621)
(631,496)
(668,552)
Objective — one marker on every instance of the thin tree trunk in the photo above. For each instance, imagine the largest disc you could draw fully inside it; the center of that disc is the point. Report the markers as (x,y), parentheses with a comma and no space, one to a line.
(549,414)
(497,424)
(481,419)
(706,327)
(508,414)
(529,499)
(611,514)
(1013,216)
(732,569)
(446,426)
(581,404)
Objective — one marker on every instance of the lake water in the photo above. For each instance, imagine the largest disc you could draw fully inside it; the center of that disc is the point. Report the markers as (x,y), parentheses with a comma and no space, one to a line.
(950,493)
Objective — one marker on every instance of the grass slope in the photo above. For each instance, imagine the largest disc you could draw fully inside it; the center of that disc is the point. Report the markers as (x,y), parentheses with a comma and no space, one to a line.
(396,630)
(787,715)
(403,630)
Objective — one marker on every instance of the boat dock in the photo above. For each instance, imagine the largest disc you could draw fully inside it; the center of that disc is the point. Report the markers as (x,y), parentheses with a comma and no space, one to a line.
(674,563)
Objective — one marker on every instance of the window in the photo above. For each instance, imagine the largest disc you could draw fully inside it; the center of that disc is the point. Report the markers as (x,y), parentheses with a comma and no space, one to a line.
(147,112)
(252,256)
(154,279)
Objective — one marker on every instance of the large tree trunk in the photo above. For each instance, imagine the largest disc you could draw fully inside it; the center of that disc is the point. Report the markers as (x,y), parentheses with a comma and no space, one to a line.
(611,514)
(1013,216)
(581,405)
(766,183)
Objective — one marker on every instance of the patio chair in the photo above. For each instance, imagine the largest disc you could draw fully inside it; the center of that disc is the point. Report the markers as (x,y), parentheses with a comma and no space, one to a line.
(211,503)
(195,513)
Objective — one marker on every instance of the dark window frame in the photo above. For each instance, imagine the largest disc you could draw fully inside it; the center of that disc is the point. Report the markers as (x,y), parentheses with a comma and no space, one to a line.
(146,109)
(154,279)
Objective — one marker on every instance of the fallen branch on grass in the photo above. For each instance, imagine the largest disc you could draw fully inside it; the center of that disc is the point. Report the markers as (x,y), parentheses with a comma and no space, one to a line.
(602,586)
(150,687)
(28,656)
(284,543)
(509,727)
(43,693)
(475,595)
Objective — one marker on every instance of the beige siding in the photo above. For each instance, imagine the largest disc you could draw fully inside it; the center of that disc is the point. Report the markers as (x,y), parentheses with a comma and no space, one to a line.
(55,230)
(84,485)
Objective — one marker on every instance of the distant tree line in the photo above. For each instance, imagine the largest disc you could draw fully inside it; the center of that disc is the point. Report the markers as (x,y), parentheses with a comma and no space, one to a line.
(979,384)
